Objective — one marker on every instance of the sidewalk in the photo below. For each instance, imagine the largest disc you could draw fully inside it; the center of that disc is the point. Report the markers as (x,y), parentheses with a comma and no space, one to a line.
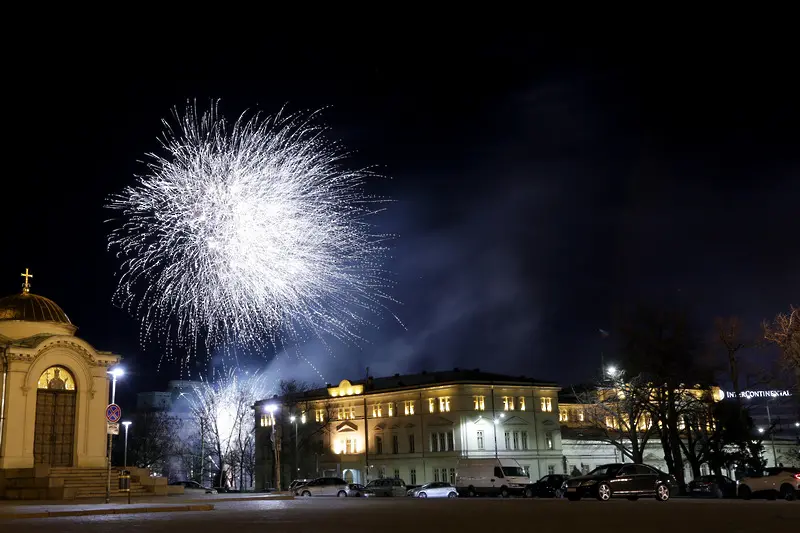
(16,509)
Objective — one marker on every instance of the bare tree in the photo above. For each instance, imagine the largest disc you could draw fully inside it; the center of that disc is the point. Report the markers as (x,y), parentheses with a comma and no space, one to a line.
(729,336)
(151,441)
(784,332)
(619,411)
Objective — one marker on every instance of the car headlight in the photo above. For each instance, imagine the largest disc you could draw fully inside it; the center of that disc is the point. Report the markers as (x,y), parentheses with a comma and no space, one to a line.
(588,483)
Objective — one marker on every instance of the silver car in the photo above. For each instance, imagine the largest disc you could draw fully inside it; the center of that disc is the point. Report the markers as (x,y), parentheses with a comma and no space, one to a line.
(323,486)
(434,490)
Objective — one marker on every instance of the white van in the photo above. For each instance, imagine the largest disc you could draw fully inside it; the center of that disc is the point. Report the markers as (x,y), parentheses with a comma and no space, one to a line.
(502,477)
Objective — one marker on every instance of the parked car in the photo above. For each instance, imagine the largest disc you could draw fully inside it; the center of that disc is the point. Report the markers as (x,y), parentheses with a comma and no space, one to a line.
(711,487)
(357,490)
(771,483)
(547,487)
(434,490)
(387,487)
(297,482)
(501,477)
(193,487)
(630,480)
(323,486)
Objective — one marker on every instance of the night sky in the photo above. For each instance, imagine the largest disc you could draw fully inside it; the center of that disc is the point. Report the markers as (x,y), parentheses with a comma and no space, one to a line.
(539,184)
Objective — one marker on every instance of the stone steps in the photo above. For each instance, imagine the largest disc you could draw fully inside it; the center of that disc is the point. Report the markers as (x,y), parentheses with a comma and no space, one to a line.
(91,482)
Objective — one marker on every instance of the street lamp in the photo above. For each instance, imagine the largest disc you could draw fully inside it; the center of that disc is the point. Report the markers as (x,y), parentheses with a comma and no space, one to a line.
(293,419)
(761,430)
(276,443)
(115,373)
(127,424)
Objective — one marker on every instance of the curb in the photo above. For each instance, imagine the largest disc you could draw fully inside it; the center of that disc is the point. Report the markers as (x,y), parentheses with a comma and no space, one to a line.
(251,499)
(117,510)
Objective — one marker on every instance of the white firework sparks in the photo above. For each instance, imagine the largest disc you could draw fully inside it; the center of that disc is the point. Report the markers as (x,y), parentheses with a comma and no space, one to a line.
(247,234)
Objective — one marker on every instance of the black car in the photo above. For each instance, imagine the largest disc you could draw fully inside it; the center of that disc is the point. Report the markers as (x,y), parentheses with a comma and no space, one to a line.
(547,487)
(630,480)
(711,487)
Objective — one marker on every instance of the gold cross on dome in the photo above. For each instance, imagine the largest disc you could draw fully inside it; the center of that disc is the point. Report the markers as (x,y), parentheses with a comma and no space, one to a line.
(26,287)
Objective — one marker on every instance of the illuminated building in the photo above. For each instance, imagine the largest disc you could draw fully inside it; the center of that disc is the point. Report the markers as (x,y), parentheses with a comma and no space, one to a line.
(418,426)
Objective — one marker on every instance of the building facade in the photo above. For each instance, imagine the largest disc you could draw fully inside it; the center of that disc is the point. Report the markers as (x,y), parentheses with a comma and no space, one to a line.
(413,427)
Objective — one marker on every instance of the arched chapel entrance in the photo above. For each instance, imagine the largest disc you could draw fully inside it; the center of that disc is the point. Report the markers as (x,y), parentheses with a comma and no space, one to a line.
(54,436)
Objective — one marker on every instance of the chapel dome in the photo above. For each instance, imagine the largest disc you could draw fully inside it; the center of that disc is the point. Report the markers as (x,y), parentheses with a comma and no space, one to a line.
(31,308)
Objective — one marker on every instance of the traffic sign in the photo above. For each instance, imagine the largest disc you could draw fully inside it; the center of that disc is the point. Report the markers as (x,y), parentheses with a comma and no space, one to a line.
(112,429)
(113,413)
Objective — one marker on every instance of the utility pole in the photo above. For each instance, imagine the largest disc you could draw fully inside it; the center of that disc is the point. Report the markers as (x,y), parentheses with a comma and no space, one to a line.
(202,449)
(494,425)
(277,429)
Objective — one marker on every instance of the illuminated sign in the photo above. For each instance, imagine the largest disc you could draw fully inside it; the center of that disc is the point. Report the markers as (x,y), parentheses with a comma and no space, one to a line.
(759,394)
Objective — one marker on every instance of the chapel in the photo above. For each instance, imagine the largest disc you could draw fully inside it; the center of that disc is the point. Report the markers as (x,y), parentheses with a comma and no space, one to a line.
(54,390)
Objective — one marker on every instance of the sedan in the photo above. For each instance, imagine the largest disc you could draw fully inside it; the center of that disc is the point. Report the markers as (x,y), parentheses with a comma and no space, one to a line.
(323,486)
(547,487)
(711,487)
(627,480)
(434,490)
(193,487)
(356,490)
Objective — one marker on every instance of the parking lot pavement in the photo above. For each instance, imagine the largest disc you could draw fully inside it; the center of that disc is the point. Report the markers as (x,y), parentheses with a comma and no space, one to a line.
(480,515)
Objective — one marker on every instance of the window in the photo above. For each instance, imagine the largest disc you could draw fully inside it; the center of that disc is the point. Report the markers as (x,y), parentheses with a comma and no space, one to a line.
(580,416)
(408,407)
(442,443)
(609,422)
(450,444)
(267,420)
(548,440)
(551,469)
(396,473)
(516,440)
(508,403)
(453,476)
(524,440)
(498,472)
(508,440)
(348,446)
(411,447)
(444,404)
(522,403)
(377,410)
(480,403)
(480,439)
(431,405)
(340,413)
(390,408)
(319,415)
(435,475)
(395,445)
(434,443)
(413,476)
(563,414)
(547,405)
(353,413)
(378,445)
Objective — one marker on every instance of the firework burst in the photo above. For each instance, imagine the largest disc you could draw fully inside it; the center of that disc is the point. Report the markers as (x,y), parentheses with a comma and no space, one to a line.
(249,233)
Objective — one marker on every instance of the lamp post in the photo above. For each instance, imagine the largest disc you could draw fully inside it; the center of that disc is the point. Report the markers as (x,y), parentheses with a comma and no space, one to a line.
(294,420)
(615,373)
(276,443)
(115,373)
(127,424)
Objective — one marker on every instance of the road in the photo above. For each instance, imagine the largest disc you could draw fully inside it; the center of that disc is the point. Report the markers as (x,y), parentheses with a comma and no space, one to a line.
(387,515)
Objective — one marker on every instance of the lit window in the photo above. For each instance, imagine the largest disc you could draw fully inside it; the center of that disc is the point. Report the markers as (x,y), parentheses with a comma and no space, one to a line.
(319,415)
(408,407)
(390,408)
(548,440)
(348,446)
(480,439)
(267,420)
(444,405)
(480,403)
(563,414)
(609,422)
(353,413)
(340,413)
(377,411)
(547,405)
(508,403)
(522,403)
(303,418)
(524,440)
(431,405)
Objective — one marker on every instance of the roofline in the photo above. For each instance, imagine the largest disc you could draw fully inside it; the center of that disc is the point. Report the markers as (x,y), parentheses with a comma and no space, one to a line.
(322,393)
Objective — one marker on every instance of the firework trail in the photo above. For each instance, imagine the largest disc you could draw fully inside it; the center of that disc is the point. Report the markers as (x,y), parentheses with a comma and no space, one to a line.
(248,234)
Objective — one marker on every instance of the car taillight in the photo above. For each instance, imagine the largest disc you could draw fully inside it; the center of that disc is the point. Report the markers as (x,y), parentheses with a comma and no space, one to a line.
(797,476)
